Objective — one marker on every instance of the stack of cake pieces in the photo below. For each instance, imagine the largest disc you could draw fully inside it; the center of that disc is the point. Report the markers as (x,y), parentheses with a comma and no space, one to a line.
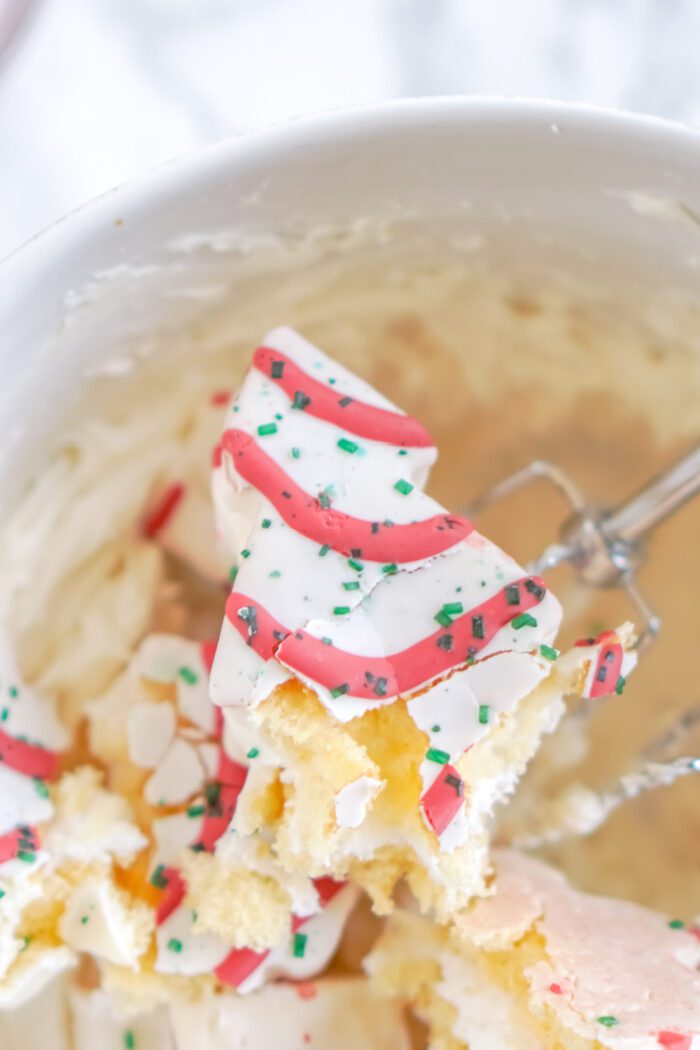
(383,676)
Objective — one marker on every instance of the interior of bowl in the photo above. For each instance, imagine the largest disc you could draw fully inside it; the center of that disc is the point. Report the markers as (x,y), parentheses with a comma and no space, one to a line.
(523,280)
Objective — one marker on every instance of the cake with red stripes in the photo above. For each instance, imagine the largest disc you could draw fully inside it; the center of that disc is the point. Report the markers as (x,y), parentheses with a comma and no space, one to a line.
(395,665)
(539,964)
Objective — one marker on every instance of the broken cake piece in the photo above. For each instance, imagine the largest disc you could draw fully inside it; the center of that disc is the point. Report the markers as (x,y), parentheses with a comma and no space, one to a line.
(539,964)
(394,666)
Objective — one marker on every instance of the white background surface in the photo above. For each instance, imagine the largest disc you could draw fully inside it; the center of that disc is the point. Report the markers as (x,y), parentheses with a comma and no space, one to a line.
(95,91)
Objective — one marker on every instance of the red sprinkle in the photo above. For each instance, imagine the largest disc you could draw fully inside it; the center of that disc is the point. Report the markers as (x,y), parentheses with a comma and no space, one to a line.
(341,532)
(164,510)
(556,989)
(675,1040)
(31,759)
(328,403)
(220,397)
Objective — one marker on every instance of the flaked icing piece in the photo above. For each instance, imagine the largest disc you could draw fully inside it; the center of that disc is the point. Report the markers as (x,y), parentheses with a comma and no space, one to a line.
(538,963)
(222,913)
(395,665)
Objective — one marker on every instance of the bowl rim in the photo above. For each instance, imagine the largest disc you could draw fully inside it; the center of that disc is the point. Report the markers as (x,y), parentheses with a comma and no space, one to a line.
(180,174)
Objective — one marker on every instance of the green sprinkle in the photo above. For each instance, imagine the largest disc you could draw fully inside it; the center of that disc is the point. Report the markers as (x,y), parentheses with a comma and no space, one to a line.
(277,369)
(332,382)
(404,487)
(129,1040)
(267,428)
(41,788)
(324,499)
(453,608)
(26,856)
(13,691)
(621,683)
(356,565)
(300,400)
(548,652)
(232,573)
(434,754)
(158,878)
(347,446)
(676,924)
(27,942)
(390,570)
(245,553)
(4,714)
(403,452)
(608,1021)
(275,574)
(278,415)
(435,729)
(353,585)
(174,945)
(327,641)
(196,811)
(443,618)
(299,945)
(296,453)
(195,915)
(2,894)
(253,753)
(188,675)
(341,610)
(266,523)
(323,551)
(85,919)
(339,690)
(523,620)
(484,713)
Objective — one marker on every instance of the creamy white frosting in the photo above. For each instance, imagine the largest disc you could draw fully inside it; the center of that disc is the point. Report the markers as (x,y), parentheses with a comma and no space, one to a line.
(102,922)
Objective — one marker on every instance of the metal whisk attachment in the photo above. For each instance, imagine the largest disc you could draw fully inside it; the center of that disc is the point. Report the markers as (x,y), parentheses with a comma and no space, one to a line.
(607,546)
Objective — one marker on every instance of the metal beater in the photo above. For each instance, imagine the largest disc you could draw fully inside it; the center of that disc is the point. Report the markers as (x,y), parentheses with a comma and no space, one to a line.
(607,547)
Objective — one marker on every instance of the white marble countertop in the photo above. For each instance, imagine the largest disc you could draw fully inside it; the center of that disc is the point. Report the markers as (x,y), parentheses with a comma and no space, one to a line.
(95,91)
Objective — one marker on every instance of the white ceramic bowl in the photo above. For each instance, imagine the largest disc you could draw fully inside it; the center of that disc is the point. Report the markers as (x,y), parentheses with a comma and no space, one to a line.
(599,210)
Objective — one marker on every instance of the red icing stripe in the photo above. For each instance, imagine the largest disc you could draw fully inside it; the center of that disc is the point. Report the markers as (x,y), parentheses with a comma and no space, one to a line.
(328,403)
(401,673)
(238,965)
(30,759)
(675,1040)
(608,666)
(231,776)
(327,888)
(173,895)
(20,840)
(373,677)
(443,799)
(164,510)
(208,650)
(374,540)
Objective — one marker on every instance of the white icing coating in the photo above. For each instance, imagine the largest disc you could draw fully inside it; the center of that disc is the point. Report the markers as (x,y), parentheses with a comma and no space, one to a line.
(171,659)
(352,801)
(20,801)
(100,921)
(284,571)
(23,711)
(173,834)
(150,729)
(342,1013)
(183,950)
(179,775)
(38,968)
(19,1029)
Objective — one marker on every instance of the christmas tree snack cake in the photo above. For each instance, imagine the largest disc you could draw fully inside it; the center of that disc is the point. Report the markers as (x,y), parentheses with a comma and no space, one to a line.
(392,669)
(538,964)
